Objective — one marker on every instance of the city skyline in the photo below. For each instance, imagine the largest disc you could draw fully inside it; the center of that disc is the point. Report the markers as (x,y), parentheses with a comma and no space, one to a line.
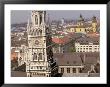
(21,16)
(68,51)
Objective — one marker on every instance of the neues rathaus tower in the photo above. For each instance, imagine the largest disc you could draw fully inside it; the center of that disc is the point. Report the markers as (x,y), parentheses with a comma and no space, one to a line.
(40,62)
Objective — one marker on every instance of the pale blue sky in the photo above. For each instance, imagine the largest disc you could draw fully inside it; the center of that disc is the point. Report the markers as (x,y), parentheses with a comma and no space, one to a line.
(19,16)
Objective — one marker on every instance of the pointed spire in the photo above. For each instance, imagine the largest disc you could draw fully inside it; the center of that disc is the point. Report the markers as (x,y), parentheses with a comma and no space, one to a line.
(48,20)
(80,15)
(28,22)
(28,26)
(94,19)
(81,18)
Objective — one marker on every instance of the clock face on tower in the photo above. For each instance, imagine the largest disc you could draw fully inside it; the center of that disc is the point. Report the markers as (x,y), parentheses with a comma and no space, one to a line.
(36,42)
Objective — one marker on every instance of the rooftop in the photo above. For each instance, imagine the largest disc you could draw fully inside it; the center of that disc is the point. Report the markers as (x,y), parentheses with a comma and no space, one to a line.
(67,38)
(81,75)
(74,59)
(87,40)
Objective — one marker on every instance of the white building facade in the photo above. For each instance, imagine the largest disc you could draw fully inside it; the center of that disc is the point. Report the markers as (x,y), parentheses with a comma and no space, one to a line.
(90,47)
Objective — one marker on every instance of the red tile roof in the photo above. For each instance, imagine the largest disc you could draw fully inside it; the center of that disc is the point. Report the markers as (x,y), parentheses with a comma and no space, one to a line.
(93,34)
(66,39)
(60,40)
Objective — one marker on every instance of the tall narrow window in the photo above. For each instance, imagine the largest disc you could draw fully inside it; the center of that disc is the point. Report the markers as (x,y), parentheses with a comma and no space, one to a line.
(40,56)
(34,56)
(40,19)
(40,31)
(68,70)
(74,70)
(62,70)
(36,20)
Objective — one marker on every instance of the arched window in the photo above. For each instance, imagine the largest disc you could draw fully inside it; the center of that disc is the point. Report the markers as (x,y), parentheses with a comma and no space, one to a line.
(40,56)
(20,58)
(40,31)
(34,32)
(37,32)
(34,56)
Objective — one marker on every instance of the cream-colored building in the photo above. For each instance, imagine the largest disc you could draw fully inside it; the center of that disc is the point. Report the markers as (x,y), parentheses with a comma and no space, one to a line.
(87,44)
(86,48)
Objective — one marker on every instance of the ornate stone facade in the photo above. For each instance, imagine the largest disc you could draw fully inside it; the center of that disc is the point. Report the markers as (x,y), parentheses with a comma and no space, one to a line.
(39,56)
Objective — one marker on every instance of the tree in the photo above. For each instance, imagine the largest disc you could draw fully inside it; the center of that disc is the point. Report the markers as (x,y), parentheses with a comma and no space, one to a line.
(72,49)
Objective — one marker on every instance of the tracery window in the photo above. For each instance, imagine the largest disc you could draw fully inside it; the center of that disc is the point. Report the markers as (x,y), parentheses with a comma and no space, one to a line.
(40,56)
(34,56)
(36,19)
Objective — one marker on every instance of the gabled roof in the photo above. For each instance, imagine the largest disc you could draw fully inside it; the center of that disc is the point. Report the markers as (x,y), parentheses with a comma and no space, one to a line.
(75,59)
(87,40)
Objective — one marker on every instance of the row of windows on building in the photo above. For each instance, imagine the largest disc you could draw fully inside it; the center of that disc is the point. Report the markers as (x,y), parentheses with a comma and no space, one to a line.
(37,56)
(87,46)
(36,74)
(33,32)
(37,67)
(87,50)
(67,70)
(88,42)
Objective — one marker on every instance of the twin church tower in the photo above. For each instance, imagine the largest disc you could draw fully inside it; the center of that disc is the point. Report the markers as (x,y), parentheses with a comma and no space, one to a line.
(40,62)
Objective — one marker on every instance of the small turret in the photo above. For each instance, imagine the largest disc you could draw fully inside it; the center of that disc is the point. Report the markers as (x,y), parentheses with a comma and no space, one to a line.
(94,20)
(81,18)
(81,21)
(94,24)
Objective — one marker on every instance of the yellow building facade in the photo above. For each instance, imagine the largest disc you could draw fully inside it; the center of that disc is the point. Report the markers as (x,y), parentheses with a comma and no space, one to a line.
(82,27)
